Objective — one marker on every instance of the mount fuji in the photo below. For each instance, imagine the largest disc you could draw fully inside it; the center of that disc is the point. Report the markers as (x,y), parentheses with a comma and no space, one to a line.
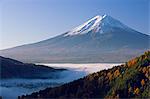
(100,39)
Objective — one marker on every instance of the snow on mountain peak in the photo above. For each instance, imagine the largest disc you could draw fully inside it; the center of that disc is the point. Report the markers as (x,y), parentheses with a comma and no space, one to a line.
(96,24)
(85,27)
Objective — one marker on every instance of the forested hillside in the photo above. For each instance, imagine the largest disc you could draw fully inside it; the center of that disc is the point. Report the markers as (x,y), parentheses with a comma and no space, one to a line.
(10,68)
(129,80)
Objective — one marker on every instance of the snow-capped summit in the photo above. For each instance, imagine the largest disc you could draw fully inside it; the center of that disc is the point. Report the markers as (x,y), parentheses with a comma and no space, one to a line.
(86,27)
(96,24)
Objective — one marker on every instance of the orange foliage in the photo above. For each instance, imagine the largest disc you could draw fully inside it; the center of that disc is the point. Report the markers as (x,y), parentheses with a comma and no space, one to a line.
(142,82)
(132,62)
(109,76)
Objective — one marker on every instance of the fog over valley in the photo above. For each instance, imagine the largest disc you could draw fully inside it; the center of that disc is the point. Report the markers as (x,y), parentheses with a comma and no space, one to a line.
(27,86)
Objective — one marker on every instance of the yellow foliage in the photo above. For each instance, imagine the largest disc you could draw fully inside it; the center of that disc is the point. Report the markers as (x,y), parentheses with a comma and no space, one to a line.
(109,76)
(116,73)
(136,91)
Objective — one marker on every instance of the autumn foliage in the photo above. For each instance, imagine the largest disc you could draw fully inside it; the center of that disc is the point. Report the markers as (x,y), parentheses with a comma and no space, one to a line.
(129,80)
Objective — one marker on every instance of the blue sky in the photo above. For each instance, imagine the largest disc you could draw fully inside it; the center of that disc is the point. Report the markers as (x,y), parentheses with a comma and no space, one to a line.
(29,21)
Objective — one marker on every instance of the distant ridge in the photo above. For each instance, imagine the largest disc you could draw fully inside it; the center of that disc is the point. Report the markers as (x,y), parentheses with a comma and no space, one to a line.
(11,69)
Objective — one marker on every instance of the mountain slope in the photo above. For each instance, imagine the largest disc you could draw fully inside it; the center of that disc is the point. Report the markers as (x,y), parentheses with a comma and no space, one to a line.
(97,40)
(130,80)
(15,69)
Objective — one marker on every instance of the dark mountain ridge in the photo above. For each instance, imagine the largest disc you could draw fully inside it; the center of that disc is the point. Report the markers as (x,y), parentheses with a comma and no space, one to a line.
(11,68)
